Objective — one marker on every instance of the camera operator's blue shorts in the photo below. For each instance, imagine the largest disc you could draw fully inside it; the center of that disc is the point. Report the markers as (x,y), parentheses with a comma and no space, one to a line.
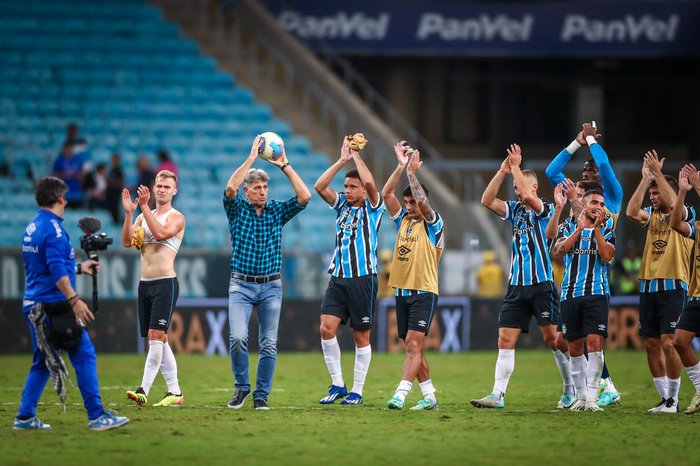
(157,300)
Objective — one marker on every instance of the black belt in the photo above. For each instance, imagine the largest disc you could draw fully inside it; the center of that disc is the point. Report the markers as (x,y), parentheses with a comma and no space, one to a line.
(256,278)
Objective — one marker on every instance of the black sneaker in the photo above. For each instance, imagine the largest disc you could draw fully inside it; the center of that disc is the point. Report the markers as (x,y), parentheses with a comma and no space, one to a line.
(260,405)
(238,398)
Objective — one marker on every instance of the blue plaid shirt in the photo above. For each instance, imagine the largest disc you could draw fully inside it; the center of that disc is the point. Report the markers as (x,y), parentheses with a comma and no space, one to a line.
(257,240)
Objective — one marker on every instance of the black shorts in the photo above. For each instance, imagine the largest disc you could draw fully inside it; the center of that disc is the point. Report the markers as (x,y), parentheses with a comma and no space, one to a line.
(351,299)
(586,315)
(415,312)
(523,302)
(157,300)
(659,312)
(690,317)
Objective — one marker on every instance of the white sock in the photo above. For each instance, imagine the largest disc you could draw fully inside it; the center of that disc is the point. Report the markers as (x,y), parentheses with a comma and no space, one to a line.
(403,389)
(168,367)
(578,374)
(363,356)
(331,353)
(661,384)
(674,386)
(505,364)
(153,361)
(593,372)
(564,366)
(428,390)
(694,375)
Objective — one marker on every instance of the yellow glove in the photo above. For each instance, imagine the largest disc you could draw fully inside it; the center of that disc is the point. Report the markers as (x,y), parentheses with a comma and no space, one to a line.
(137,238)
(357,141)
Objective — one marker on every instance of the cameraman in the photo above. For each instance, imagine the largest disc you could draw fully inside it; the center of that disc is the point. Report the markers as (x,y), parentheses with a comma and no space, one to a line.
(50,270)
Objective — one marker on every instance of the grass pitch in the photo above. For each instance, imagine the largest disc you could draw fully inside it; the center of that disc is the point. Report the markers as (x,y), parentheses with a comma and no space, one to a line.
(300,431)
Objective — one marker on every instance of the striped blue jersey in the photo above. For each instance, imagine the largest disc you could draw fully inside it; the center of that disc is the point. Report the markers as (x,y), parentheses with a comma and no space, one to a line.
(529,263)
(585,273)
(356,230)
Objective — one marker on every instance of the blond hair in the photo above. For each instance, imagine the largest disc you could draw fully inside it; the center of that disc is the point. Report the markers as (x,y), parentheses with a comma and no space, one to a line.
(166,174)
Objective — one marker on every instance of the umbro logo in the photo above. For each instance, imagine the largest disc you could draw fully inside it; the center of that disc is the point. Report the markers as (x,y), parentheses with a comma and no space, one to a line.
(421,323)
(365,320)
(545,314)
(659,244)
(563,329)
(403,250)
(672,324)
(162,321)
(602,327)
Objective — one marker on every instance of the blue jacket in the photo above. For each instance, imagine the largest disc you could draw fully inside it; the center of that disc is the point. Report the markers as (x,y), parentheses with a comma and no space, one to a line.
(48,256)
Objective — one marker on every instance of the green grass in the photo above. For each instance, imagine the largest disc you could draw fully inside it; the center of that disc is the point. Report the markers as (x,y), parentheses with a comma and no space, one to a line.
(300,431)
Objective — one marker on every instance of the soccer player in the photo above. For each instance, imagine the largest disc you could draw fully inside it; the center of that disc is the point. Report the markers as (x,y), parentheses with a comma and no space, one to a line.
(587,245)
(688,326)
(531,291)
(49,269)
(663,277)
(255,226)
(414,274)
(162,231)
(352,289)
(597,170)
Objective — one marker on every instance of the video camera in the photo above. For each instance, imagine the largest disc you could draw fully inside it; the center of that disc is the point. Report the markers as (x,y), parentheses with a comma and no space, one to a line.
(90,242)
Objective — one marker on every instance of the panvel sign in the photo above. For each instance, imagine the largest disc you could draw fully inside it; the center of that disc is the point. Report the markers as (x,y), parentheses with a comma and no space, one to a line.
(624,29)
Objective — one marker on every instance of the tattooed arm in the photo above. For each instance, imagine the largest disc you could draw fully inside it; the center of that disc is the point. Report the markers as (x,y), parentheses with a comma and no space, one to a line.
(416,189)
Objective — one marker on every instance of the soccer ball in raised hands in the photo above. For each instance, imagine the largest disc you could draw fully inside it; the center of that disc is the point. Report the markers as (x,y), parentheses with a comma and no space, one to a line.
(271,146)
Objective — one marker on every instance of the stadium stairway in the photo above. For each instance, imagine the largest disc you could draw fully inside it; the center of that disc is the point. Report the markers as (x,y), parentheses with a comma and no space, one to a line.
(133,84)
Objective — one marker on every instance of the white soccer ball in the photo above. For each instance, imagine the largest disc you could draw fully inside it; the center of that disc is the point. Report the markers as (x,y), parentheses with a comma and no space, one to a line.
(271,146)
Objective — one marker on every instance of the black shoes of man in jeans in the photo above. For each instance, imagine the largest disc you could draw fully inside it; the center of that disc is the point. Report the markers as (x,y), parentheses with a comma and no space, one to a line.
(238,399)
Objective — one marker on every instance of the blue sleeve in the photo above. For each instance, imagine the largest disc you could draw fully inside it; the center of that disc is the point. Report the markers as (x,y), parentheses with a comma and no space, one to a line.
(338,202)
(510,209)
(689,214)
(649,212)
(290,208)
(231,206)
(435,231)
(693,230)
(379,206)
(612,189)
(55,255)
(555,170)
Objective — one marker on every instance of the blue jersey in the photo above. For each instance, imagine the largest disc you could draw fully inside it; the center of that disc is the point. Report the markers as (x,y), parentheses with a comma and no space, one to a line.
(585,273)
(612,189)
(356,230)
(530,263)
(48,256)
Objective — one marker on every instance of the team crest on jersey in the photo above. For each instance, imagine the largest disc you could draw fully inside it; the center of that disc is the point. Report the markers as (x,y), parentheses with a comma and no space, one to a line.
(31,228)
(409,230)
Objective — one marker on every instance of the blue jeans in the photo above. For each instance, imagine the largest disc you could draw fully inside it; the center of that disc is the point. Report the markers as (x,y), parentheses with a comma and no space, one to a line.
(267,299)
(84,360)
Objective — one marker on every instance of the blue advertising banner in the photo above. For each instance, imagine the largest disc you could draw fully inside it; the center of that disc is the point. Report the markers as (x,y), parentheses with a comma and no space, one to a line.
(569,29)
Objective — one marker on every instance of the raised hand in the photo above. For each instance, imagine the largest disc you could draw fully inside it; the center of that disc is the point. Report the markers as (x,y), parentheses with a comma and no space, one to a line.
(569,188)
(653,162)
(345,153)
(505,167)
(692,174)
(588,130)
(559,196)
(581,220)
(279,161)
(646,172)
(255,147)
(599,215)
(414,163)
(401,150)
(683,182)
(129,205)
(144,196)
(515,155)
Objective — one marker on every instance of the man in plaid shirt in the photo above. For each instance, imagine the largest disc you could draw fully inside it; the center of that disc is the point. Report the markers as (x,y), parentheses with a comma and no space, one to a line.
(255,225)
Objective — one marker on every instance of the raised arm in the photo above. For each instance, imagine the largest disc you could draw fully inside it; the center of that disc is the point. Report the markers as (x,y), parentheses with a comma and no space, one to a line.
(559,204)
(693,177)
(129,209)
(676,220)
(489,199)
(527,195)
(300,188)
(634,206)
(393,204)
(612,189)
(416,189)
(668,195)
(234,182)
(555,169)
(564,244)
(322,185)
(366,177)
